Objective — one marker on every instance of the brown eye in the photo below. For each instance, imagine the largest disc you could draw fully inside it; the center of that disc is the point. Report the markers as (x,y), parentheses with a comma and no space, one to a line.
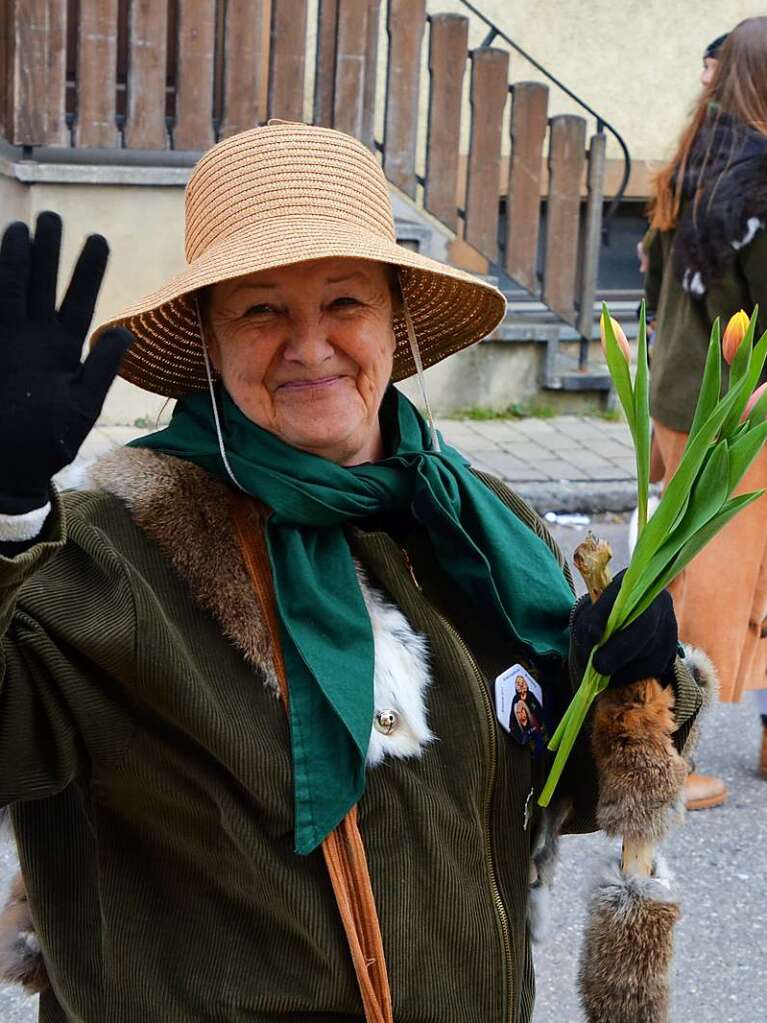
(344,302)
(259,310)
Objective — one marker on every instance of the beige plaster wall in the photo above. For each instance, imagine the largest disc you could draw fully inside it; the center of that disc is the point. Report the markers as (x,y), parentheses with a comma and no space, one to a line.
(637,62)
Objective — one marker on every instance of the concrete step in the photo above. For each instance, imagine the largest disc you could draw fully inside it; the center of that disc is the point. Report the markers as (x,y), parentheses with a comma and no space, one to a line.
(564,374)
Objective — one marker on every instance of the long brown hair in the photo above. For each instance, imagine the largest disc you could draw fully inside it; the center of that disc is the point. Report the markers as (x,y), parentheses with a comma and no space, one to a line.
(738,88)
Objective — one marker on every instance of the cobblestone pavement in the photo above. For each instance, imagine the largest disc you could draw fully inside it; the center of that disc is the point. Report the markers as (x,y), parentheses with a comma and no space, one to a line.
(577,448)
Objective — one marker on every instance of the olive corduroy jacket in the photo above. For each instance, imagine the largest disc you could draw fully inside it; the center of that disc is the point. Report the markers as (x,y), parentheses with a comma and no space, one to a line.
(147,759)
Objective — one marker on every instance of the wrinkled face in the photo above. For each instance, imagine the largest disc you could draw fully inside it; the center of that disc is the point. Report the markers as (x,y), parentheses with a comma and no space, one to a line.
(306,352)
(710,65)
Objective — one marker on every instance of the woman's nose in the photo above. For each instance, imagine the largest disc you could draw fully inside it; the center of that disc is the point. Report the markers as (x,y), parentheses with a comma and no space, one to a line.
(307,342)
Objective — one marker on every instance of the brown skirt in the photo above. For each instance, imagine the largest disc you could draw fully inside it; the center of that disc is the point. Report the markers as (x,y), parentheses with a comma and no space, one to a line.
(721,597)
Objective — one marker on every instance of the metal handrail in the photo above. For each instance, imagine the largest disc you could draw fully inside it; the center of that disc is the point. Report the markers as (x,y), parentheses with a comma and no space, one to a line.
(602,123)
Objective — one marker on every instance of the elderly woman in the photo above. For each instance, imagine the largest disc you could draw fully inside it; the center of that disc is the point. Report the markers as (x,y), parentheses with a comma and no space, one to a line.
(247,722)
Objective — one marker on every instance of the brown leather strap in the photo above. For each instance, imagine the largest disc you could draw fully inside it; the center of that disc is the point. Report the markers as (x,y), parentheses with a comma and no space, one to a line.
(343,849)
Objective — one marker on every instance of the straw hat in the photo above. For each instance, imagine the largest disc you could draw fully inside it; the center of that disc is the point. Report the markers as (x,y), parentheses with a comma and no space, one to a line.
(285,193)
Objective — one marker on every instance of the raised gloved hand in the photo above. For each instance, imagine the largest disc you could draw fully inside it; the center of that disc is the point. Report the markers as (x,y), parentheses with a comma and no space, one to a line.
(49,399)
(645,649)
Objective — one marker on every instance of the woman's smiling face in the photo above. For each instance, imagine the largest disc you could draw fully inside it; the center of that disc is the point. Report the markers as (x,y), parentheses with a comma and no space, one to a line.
(306,352)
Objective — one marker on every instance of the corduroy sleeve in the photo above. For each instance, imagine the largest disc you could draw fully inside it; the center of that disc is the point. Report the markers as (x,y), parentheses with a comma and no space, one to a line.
(66,626)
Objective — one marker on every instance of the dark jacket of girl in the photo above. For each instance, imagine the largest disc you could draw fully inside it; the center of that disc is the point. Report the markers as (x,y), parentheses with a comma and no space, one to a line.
(711,265)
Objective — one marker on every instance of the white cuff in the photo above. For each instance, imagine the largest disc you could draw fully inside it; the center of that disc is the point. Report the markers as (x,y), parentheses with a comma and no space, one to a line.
(18,528)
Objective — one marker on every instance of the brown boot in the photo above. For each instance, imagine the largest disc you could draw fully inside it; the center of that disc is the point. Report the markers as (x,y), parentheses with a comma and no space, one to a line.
(702,791)
(763,757)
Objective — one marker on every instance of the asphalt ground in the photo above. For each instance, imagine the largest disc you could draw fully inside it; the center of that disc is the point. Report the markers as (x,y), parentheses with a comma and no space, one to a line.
(718,857)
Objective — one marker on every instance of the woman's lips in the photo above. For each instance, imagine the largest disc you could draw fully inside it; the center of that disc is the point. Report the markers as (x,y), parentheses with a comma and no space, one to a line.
(308,385)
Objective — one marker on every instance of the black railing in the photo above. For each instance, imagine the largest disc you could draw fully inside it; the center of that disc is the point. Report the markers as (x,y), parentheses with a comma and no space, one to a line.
(495,32)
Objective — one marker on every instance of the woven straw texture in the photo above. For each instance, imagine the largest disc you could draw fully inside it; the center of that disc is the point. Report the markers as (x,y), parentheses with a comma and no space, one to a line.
(286,193)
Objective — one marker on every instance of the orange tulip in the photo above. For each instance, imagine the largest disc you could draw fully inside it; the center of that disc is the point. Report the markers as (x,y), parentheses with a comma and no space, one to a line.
(620,337)
(753,400)
(734,334)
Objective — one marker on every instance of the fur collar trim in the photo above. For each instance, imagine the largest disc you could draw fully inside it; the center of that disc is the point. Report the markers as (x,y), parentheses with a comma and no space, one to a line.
(185,511)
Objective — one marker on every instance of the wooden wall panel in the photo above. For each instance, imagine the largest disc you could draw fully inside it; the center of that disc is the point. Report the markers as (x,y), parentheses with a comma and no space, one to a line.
(566,164)
(34,44)
(194,83)
(97,74)
(147,62)
(448,42)
(489,90)
(245,32)
(592,234)
(529,122)
(351,50)
(405,26)
(325,63)
(287,59)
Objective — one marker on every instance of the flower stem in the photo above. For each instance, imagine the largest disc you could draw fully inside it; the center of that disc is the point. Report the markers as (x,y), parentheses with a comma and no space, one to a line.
(593,683)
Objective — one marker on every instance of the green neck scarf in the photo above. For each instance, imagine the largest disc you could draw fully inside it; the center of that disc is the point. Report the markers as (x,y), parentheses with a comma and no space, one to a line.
(502,569)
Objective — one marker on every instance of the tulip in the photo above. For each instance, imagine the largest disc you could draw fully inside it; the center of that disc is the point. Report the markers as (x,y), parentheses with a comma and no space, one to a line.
(733,335)
(620,337)
(753,400)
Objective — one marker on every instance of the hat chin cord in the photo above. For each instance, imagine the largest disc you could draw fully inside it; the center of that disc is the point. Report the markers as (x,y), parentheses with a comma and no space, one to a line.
(213,402)
(416,353)
(414,349)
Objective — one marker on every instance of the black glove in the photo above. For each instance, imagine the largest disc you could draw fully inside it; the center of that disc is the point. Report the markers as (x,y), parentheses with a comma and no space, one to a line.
(645,649)
(49,400)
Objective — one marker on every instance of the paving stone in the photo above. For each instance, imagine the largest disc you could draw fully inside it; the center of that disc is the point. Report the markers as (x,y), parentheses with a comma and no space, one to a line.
(501,463)
(456,427)
(579,428)
(528,451)
(535,427)
(558,469)
(524,475)
(496,432)
(628,464)
(123,434)
(608,448)
(585,458)
(605,472)
(474,450)
(98,442)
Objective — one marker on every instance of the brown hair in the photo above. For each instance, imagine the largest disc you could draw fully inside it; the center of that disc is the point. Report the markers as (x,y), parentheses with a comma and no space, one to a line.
(738,88)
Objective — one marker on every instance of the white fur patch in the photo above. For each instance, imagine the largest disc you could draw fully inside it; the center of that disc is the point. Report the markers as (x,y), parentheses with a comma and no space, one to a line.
(17,528)
(693,283)
(401,679)
(753,224)
(539,911)
(701,667)
(616,891)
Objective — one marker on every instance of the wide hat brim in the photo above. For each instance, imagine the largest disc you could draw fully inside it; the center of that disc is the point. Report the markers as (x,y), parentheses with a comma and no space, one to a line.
(450,309)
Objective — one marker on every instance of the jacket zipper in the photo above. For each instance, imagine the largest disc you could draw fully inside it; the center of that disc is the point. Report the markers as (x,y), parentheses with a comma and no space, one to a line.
(493,759)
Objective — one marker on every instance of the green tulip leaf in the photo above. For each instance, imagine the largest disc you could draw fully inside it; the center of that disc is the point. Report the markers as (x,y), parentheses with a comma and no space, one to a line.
(711,387)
